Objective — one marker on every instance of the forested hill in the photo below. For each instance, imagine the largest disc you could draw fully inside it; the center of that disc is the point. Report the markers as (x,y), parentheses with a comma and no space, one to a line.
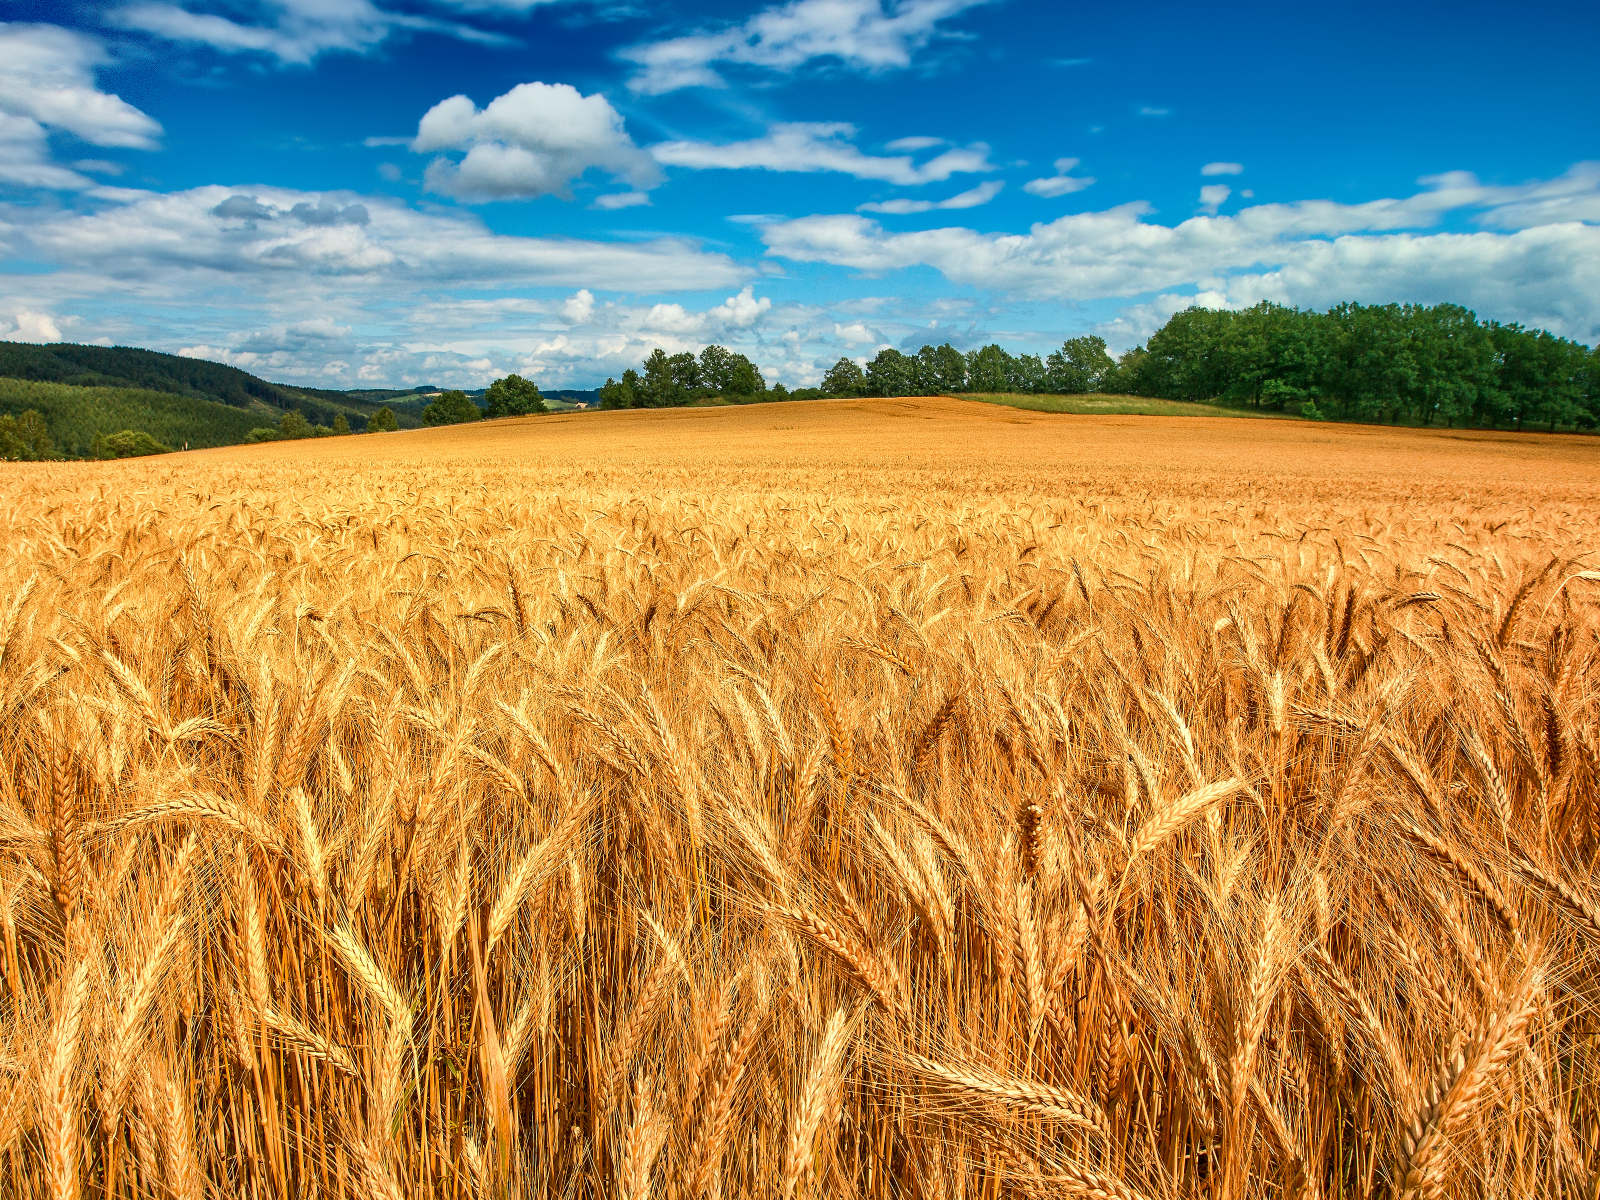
(80,394)
(149,370)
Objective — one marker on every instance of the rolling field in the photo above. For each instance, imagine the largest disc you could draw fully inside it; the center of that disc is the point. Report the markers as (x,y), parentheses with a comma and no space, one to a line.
(885,798)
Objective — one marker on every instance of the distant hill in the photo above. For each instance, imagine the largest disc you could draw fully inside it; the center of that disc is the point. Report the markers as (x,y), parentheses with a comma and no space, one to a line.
(86,391)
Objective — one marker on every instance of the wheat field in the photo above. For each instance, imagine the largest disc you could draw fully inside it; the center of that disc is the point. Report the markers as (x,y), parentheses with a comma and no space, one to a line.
(879,798)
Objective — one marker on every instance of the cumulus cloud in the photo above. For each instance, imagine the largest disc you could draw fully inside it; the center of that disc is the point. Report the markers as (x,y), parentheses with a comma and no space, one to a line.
(1313,252)
(971,198)
(1222,168)
(741,311)
(1062,183)
(865,35)
(821,146)
(1213,196)
(47,86)
(32,327)
(292,31)
(533,141)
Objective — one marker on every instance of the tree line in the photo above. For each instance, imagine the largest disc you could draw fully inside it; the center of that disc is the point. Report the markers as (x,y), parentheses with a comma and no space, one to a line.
(1409,363)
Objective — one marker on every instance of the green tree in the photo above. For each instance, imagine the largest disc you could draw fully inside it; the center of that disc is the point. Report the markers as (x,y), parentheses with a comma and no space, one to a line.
(25,437)
(1127,378)
(1086,358)
(889,374)
(382,421)
(130,443)
(844,378)
(451,408)
(939,369)
(618,395)
(716,367)
(778,392)
(658,389)
(341,425)
(685,371)
(987,370)
(746,379)
(293,425)
(1026,374)
(514,396)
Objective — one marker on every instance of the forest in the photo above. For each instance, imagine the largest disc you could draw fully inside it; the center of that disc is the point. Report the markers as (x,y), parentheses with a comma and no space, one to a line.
(1407,363)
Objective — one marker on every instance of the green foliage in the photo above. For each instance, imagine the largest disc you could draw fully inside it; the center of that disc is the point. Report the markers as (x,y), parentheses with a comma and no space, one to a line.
(128,443)
(451,408)
(844,378)
(617,395)
(341,425)
(147,370)
(1395,362)
(514,396)
(260,434)
(293,425)
(76,416)
(25,438)
(1081,365)
(382,421)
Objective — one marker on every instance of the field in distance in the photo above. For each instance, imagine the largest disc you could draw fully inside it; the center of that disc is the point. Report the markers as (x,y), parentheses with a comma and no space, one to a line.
(838,798)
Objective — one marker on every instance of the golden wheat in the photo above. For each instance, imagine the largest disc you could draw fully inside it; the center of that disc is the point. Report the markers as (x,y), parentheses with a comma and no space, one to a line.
(867,798)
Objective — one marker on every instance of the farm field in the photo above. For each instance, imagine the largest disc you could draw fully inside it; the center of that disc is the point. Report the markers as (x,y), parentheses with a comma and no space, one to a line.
(879,798)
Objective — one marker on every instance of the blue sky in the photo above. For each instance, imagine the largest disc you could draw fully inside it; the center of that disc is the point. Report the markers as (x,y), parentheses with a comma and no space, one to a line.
(349,193)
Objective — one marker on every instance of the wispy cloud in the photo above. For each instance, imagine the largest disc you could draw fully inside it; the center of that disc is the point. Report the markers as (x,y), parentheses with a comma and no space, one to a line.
(972,198)
(821,146)
(865,35)
(1222,168)
(1062,183)
(295,32)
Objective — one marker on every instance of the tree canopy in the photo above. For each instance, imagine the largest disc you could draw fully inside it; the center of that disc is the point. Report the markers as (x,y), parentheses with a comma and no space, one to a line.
(451,408)
(514,396)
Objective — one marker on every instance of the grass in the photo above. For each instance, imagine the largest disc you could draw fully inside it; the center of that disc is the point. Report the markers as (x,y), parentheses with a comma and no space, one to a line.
(838,798)
(77,415)
(1107,406)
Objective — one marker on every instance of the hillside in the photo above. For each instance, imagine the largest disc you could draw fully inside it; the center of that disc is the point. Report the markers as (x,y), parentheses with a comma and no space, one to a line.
(85,391)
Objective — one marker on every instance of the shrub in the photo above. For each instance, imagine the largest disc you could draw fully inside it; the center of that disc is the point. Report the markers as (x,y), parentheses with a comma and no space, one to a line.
(382,421)
(129,443)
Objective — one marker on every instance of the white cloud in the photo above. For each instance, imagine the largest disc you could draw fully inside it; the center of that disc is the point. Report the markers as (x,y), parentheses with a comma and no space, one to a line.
(278,238)
(292,31)
(856,334)
(866,35)
(49,76)
(535,140)
(1222,168)
(821,146)
(611,201)
(1062,183)
(1148,111)
(1314,252)
(741,311)
(33,327)
(972,198)
(1213,196)
(912,144)
(47,86)
(579,307)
